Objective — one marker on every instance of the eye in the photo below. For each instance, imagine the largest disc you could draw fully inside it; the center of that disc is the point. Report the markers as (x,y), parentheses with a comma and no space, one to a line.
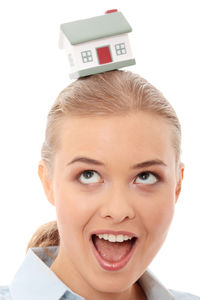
(147,178)
(89,176)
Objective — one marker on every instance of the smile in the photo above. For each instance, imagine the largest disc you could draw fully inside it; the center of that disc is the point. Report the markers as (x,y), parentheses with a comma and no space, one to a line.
(113,251)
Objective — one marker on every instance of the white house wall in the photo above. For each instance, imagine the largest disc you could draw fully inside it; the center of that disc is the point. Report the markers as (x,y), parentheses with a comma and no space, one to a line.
(69,50)
(92,45)
(63,43)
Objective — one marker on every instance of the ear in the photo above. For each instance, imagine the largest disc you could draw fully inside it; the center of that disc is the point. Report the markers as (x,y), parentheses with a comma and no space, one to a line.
(180,179)
(45,178)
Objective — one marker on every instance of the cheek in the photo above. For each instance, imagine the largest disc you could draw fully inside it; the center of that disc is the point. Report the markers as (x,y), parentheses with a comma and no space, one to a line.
(162,217)
(69,224)
(73,211)
(157,217)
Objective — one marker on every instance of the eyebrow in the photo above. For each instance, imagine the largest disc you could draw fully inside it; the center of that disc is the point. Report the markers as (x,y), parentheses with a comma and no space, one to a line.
(140,165)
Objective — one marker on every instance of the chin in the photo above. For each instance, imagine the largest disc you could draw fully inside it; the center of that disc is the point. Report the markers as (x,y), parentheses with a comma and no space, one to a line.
(112,283)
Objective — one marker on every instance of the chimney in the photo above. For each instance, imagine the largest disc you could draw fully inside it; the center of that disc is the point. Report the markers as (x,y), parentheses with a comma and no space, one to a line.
(111,11)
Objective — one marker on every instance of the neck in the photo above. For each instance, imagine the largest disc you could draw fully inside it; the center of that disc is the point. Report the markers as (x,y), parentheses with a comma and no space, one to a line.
(135,292)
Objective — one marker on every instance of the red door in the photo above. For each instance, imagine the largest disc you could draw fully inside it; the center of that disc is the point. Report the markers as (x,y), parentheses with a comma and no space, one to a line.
(104,55)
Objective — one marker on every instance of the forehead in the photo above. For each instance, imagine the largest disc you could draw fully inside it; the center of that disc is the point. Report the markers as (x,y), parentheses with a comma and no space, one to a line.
(137,135)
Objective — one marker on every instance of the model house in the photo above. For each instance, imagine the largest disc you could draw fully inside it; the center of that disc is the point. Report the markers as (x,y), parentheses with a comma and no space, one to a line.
(97,44)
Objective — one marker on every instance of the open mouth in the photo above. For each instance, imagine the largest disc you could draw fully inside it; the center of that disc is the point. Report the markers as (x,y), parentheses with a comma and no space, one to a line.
(113,255)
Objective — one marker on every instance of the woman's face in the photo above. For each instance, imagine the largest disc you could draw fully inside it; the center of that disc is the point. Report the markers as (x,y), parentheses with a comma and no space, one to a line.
(130,186)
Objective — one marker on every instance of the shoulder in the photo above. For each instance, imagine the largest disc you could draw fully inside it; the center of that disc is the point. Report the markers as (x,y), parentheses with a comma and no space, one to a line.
(183,296)
(5,293)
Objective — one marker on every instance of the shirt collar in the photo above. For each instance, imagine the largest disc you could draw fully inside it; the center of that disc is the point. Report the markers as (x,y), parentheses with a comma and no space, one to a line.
(36,281)
(153,288)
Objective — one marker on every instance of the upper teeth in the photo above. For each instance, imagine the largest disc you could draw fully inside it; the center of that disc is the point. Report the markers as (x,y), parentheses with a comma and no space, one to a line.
(114,238)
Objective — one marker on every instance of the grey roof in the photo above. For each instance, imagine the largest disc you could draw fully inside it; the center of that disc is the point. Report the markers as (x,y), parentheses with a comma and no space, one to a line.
(95,28)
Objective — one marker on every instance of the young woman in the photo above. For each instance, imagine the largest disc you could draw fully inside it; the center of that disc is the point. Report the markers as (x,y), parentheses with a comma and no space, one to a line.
(111,167)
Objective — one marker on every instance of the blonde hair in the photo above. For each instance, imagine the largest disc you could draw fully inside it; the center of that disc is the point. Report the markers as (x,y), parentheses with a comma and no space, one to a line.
(106,94)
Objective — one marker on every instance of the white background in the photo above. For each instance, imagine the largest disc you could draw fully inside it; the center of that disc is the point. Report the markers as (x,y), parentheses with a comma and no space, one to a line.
(33,71)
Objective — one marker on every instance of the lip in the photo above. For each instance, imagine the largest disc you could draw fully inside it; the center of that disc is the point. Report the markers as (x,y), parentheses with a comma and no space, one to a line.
(110,265)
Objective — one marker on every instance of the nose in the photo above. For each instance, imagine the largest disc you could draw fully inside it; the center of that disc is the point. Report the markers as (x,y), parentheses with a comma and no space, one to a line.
(118,205)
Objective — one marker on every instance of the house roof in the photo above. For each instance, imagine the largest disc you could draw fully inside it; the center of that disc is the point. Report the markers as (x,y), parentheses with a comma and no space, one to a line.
(95,28)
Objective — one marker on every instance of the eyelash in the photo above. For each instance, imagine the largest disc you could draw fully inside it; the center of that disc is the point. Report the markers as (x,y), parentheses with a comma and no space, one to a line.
(158,177)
